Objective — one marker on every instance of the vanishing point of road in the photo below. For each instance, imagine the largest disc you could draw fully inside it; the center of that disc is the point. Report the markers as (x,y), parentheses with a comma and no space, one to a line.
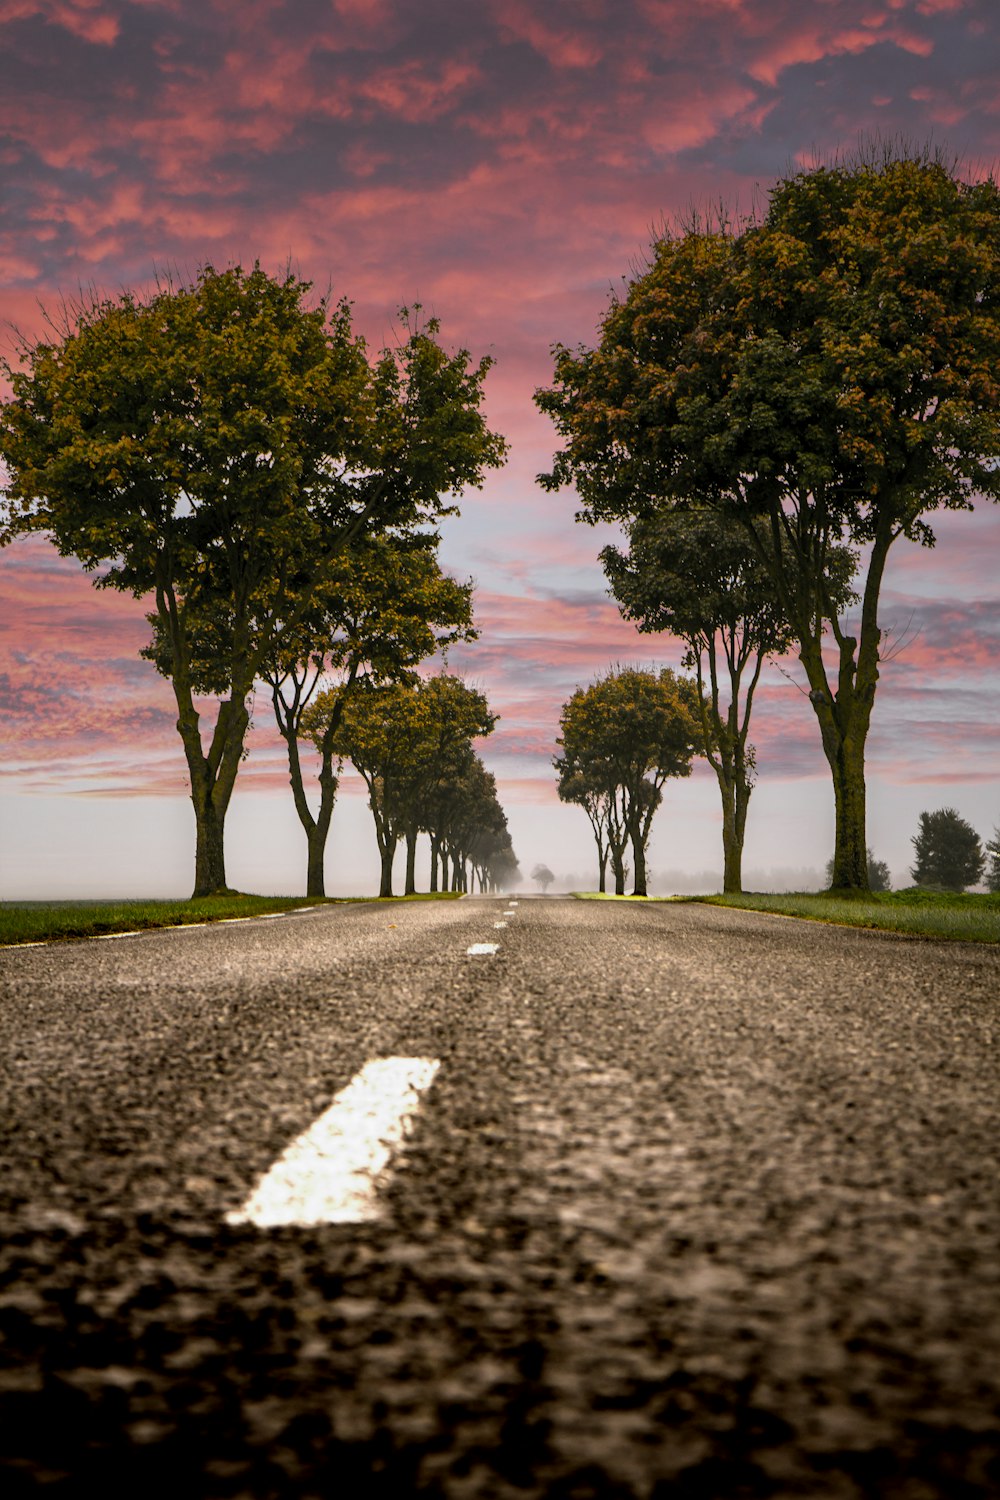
(690,1202)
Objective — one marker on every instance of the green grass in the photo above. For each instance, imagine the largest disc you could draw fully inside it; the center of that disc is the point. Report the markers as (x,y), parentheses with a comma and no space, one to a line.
(610,896)
(39,921)
(967,917)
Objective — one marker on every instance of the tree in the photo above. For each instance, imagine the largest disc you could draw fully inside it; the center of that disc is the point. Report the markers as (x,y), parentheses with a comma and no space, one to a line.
(626,734)
(458,714)
(588,788)
(218,446)
(693,573)
(948,850)
(467,811)
(543,876)
(879,875)
(404,740)
(387,608)
(828,376)
(993,866)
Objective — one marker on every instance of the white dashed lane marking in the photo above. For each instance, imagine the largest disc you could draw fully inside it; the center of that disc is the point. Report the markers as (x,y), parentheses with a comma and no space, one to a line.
(483,949)
(107,936)
(332,1172)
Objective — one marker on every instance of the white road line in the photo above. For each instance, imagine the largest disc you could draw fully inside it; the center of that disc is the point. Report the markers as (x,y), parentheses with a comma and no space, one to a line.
(499,925)
(331,1173)
(483,948)
(231,921)
(185,926)
(39,944)
(106,936)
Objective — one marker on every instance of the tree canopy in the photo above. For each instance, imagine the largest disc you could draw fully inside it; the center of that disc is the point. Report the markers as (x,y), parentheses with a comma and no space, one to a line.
(827,376)
(948,851)
(621,738)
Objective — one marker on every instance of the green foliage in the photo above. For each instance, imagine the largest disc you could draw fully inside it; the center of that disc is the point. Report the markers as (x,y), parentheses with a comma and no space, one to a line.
(621,738)
(879,874)
(693,571)
(992,876)
(219,446)
(949,852)
(412,745)
(825,378)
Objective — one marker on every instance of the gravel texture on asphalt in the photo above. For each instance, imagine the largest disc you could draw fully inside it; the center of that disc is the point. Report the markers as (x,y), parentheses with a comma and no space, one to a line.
(701,1203)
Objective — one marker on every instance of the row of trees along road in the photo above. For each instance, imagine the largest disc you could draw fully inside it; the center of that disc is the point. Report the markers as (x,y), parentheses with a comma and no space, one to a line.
(621,738)
(412,745)
(232,450)
(817,382)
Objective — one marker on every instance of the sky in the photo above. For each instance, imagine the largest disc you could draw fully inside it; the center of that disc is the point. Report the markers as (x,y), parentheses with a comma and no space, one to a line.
(505,164)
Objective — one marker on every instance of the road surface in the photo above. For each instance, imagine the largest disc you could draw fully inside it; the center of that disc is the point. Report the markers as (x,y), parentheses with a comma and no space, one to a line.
(696,1203)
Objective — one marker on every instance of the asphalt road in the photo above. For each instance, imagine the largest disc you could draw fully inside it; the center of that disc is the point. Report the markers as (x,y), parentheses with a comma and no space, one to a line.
(700,1203)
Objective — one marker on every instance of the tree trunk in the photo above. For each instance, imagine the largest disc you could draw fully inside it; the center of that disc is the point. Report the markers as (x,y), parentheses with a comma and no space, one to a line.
(213,777)
(850,856)
(444,869)
(210,857)
(602,860)
(434,864)
(639,837)
(411,862)
(388,855)
(317,834)
(618,866)
(315,874)
(734,790)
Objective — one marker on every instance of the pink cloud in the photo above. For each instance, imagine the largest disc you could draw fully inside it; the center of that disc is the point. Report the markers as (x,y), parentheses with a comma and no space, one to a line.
(90,20)
(562,46)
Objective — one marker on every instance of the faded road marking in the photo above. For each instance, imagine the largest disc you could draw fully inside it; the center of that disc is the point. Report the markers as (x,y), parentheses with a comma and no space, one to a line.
(483,949)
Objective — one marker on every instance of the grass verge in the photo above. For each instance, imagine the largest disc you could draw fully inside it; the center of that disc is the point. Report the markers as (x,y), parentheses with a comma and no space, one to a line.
(967,917)
(39,922)
(610,896)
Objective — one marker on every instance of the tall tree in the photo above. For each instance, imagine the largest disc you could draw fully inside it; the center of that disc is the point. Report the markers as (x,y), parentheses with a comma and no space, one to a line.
(468,810)
(948,851)
(217,447)
(588,788)
(627,733)
(387,608)
(456,715)
(828,376)
(693,573)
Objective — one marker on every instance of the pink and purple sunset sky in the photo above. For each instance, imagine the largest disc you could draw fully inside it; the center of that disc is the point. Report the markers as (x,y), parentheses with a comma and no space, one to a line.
(503,163)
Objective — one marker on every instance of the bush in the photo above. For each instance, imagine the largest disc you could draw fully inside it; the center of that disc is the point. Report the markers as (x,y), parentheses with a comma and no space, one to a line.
(949,852)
